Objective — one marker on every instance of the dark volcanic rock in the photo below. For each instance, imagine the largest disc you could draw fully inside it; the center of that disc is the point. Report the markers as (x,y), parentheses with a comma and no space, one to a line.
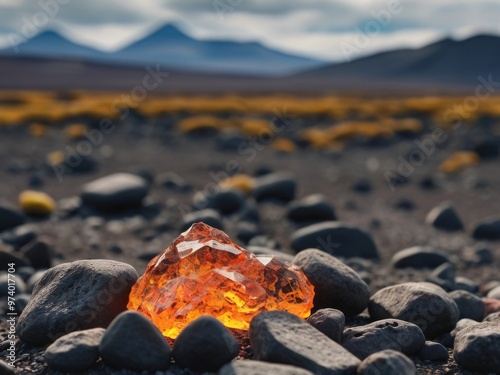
(19,236)
(7,256)
(393,334)
(433,351)
(10,217)
(6,369)
(226,201)
(477,347)
(280,337)
(469,305)
(205,345)
(260,368)
(336,239)
(115,192)
(330,322)
(444,276)
(312,208)
(445,217)
(487,230)
(387,362)
(423,304)
(419,257)
(39,254)
(335,284)
(207,216)
(76,351)
(75,296)
(133,342)
(278,186)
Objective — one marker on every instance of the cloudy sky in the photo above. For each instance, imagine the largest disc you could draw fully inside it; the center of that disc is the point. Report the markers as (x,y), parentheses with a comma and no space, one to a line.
(327,29)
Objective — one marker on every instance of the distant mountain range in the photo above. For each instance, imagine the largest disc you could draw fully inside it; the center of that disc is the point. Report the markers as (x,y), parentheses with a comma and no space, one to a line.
(170,47)
(49,61)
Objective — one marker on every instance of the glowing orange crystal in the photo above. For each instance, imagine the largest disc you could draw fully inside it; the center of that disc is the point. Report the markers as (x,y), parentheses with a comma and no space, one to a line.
(204,273)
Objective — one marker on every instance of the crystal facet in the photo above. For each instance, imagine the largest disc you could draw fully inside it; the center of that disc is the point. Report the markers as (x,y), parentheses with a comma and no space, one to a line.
(204,273)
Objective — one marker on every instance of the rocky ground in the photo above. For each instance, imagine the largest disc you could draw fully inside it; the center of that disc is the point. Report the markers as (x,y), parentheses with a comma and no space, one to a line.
(353,183)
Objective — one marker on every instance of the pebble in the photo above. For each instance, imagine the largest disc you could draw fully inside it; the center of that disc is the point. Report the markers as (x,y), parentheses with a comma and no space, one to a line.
(6,369)
(445,217)
(75,296)
(279,186)
(10,217)
(387,362)
(469,305)
(245,231)
(260,368)
(405,204)
(174,182)
(313,208)
(423,304)
(494,293)
(336,239)
(115,192)
(487,230)
(363,186)
(39,254)
(394,334)
(281,337)
(444,276)
(335,284)
(36,203)
(330,322)
(207,216)
(132,342)
(463,283)
(205,345)
(477,348)
(226,201)
(419,257)
(461,324)
(19,236)
(493,317)
(7,256)
(433,351)
(76,351)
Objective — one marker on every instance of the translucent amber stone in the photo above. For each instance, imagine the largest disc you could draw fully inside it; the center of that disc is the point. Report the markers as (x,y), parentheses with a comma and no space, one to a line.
(204,273)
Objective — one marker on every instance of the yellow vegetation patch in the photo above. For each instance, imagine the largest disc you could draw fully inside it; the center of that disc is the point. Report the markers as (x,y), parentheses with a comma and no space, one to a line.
(284,145)
(55,158)
(75,131)
(255,127)
(36,203)
(198,123)
(240,182)
(459,161)
(38,130)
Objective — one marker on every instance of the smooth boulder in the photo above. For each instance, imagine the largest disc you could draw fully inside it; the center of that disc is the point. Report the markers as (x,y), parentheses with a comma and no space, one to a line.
(419,257)
(279,186)
(487,230)
(330,322)
(260,368)
(75,296)
(336,285)
(423,304)
(336,239)
(445,217)
(387,362)
(10,217)
(313,208)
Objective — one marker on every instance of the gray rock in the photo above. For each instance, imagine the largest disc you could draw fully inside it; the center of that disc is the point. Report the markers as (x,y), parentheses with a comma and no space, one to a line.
(132,342)
(76,351)
(335,284)
(336,239)
(423,304)
(444,276)
(463,283)
(10,217)
(387,362)
(433,351)
(463,323)
(394,334)
(419,257)
(477,347)
(30,284)
(279,186)
(313,208)
(75,296)
(6,369)
(469,305)
(330,322)
(281,337)
(39,254)
(225,201)
(260,368)
(487,230)
(205,345)
(207,216)
(494,317)
(115,192)
(494,293)
(445,217)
